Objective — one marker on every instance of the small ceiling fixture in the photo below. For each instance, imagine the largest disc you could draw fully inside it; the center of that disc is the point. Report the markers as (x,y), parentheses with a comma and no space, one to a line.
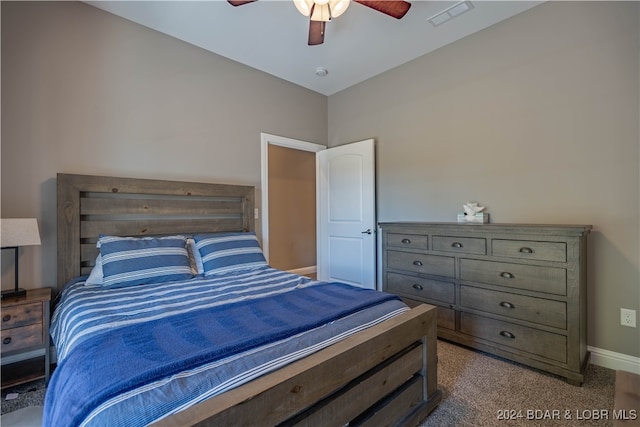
(321,71)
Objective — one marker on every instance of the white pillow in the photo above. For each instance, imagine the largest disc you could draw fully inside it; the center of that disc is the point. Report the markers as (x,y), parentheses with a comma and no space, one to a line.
(195,255)
(96,275)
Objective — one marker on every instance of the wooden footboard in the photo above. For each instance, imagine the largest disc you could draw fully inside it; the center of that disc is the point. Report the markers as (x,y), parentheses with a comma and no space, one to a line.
(385,375)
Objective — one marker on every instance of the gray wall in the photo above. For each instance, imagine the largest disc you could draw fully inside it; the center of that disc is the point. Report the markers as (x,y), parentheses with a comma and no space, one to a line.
(84,91)
(537,119)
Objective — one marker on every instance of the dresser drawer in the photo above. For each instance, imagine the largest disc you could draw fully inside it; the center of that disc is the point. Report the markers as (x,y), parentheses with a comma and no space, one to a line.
(534,341)
(420,288)
(527,249)
(414,241)
(22,337)
(463,245)
(421,263)
(536,310)
(550,280)
(21,315)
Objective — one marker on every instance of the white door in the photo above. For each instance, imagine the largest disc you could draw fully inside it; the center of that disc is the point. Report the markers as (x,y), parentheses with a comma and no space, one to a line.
(346,214)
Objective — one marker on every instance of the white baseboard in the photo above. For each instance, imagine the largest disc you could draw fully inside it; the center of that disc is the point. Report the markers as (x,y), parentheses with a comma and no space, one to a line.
(304,270)
(615,361)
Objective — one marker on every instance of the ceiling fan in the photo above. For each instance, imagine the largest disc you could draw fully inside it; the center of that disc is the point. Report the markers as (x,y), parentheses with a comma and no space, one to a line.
(321,11)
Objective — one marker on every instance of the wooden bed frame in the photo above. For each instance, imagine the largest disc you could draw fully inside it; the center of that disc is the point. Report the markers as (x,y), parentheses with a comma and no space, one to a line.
(385,375)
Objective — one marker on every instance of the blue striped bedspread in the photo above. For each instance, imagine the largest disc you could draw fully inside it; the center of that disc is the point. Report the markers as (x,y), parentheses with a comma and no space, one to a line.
(134,355)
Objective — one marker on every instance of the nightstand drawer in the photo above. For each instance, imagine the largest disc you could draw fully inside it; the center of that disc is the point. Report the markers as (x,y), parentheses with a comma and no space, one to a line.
(21,315)
(22,337)
(519,276)
(527,249)
(422,289)
(537,310)
(534,341)
(413,241)
(421,263)
(463,245)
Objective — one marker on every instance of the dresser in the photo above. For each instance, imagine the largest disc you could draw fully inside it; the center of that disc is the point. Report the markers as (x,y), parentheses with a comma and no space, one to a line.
(24,344)
(514,290)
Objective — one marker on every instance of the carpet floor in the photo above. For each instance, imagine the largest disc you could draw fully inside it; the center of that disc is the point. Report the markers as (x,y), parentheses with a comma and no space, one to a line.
(484,390)
(478,390)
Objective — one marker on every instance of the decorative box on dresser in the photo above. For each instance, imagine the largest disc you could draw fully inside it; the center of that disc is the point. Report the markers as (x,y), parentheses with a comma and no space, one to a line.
(25,337)
(514,290)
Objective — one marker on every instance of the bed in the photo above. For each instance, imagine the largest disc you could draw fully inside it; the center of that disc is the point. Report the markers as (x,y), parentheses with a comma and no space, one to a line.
(351,357)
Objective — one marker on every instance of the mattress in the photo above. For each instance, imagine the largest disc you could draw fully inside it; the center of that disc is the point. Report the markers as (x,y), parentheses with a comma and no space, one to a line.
(134,355)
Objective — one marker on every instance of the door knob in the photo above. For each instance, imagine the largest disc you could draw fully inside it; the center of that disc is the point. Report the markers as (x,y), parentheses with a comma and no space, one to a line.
(367,231)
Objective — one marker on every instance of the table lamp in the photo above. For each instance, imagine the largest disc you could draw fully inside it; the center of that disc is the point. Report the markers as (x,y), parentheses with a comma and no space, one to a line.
(16,232)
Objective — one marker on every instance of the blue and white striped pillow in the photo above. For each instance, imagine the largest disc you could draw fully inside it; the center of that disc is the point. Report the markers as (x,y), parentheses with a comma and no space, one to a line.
(128,261)
(224,253)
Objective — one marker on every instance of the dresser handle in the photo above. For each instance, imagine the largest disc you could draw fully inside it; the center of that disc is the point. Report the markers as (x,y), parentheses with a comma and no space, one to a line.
(417,263)
(406,241)
(417,287)
(7,340)
(457,245)
(506,275)
(6,317)
(525,250)
(506,304)
(507,334)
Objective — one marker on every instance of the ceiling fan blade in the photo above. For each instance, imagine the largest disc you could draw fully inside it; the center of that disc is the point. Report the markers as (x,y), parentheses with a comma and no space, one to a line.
(316,32)
(239,2)
(396,9)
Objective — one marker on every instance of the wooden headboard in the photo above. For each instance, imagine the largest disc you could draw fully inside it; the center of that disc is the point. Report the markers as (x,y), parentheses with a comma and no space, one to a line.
(92,205)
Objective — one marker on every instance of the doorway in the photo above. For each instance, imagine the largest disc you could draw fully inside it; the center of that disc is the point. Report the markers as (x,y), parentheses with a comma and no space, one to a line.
(288,203)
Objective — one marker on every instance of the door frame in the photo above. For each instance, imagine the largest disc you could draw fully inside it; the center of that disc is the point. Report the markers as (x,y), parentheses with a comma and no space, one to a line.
(267,139)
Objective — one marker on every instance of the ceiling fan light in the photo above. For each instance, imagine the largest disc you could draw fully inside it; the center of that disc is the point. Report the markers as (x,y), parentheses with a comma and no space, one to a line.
(338,7)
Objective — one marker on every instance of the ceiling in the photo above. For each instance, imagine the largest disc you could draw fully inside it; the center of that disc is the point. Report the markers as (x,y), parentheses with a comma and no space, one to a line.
(271,35)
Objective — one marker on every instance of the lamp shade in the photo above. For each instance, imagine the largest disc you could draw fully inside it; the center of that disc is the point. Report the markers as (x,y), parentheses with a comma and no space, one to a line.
(19,232)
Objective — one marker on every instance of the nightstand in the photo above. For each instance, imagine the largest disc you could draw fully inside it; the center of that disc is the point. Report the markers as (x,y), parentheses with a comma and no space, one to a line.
(24,344)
